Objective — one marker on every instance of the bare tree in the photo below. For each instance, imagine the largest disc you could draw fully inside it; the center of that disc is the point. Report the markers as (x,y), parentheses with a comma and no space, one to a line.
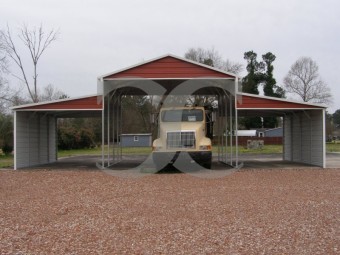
(36,41)
(5,97)
(213,58)
(303,79)
(50,93)
(3,59)
(232,67)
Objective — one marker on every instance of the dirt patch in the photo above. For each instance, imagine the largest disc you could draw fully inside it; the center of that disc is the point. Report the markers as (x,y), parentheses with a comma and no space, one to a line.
(248,212)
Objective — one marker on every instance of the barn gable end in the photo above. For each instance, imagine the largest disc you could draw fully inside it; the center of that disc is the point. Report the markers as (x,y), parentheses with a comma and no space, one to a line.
(169,67)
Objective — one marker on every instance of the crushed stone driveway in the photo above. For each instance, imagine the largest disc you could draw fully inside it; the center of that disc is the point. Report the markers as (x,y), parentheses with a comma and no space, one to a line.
(272,211)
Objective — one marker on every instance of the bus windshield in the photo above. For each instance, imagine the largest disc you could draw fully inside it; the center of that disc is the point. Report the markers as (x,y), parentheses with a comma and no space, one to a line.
(182,115)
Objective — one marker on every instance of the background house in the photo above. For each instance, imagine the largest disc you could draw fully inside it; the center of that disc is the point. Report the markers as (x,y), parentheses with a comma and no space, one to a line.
(136,140)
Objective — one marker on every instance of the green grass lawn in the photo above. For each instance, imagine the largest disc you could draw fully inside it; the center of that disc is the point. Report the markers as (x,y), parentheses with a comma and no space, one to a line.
(76,152)
(146,150)
(267,149)
(333,147)
(7,161)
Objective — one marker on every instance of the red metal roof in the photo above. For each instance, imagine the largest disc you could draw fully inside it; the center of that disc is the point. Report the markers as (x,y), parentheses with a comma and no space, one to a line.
(169,67)
(248,101)
(84,103)
(244,101)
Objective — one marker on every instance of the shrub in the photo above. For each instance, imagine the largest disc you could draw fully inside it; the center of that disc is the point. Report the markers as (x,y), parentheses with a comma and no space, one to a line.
(7,149)
(72,138)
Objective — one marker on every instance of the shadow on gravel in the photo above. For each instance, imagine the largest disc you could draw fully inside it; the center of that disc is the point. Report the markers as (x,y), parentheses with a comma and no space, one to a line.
(169,170)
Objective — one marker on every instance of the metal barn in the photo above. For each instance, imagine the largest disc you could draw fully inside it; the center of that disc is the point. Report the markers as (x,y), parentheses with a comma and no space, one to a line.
(35,124)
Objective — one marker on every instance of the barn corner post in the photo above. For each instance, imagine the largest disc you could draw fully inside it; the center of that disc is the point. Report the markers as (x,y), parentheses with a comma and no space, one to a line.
(324,138)
(101,98)
(15,140)
(236,122)
(103,137)
(108,129)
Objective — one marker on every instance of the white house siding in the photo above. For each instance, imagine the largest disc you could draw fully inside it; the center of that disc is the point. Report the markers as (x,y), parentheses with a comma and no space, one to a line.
(303,137)
(34,144)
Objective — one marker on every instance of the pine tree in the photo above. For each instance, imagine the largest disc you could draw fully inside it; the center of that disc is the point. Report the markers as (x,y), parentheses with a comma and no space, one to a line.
(270,88)
(254,77)
(250,84)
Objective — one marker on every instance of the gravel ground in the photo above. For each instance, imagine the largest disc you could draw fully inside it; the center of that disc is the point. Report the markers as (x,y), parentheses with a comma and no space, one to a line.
(294,211)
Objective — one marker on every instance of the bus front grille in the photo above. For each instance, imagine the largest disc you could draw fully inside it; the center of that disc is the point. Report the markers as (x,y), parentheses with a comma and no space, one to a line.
(180,139)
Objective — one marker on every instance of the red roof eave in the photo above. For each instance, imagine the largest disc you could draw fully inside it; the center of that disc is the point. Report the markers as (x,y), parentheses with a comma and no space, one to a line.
(249,102)
(83,103)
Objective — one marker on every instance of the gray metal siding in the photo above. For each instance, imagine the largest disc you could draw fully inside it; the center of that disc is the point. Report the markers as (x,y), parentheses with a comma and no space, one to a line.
(33,136)
(296,138)
(43,139)
(52,134)
(33,143)
(318,138)
(304,138)
(287,138)
(22,140)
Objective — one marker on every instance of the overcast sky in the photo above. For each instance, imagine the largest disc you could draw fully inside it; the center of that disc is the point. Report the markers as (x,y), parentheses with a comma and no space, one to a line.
(98,36)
